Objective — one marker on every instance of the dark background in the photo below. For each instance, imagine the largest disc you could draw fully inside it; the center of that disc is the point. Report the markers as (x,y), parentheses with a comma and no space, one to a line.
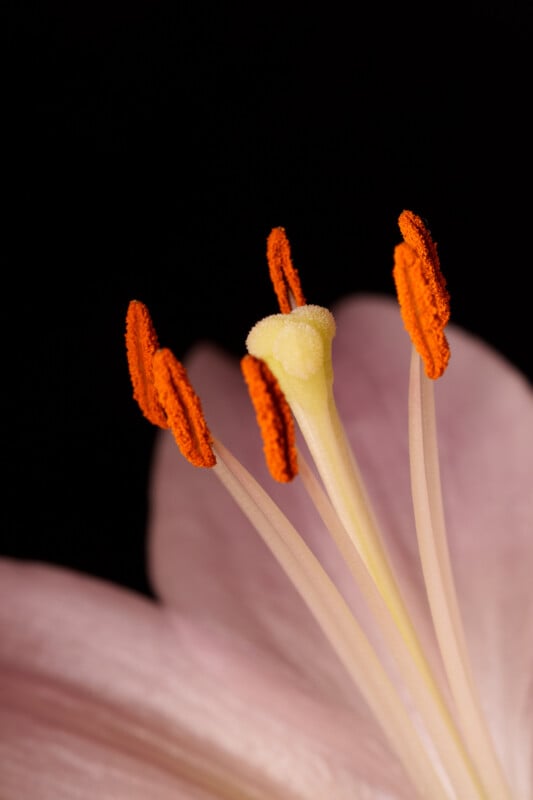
(152,145)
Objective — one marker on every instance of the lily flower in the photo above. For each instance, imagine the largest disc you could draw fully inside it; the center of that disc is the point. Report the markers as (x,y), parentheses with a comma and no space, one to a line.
(349,617)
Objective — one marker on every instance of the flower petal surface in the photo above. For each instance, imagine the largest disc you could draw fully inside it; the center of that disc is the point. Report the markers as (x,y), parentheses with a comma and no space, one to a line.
(106,694)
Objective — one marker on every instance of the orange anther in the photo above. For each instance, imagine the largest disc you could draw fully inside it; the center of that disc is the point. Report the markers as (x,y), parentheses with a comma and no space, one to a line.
(273,417)
(421,288)
(183,409)
(141,344)
(283,274)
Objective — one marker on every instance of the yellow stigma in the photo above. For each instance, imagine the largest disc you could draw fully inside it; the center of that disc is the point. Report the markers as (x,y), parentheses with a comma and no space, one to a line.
(297,348)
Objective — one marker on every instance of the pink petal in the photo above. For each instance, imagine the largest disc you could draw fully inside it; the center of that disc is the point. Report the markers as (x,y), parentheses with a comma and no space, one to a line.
(104,694)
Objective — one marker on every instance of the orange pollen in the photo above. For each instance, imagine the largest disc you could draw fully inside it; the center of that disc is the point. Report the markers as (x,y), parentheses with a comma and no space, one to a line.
(183,409)
(422,294)
(274,418)
(141,344)
(283,274)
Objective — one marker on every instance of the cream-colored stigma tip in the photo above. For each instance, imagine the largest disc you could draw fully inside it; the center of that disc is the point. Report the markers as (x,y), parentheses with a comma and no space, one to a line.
(297,349)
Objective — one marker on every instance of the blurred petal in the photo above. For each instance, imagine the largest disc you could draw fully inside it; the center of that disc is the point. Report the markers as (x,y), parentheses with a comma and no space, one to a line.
(105,694)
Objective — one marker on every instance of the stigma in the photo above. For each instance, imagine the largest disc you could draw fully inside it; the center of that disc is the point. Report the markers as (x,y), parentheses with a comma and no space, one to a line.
(297,348)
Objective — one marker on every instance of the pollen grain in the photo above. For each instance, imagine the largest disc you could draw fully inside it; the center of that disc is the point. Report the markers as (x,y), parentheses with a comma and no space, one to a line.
(422,294)
(283,273)
(274,418)
(183,409)
(141,345)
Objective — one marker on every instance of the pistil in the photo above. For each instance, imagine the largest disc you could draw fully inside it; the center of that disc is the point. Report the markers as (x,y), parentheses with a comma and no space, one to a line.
(297,349)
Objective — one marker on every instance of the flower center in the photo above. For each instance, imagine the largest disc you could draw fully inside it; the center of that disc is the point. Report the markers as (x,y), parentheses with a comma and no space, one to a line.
(445,748)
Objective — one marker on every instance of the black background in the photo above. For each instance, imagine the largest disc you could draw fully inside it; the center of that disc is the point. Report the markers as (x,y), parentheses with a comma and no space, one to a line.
(152,145)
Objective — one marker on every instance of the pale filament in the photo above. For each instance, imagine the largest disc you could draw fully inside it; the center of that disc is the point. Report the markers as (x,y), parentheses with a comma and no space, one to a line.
(439,581)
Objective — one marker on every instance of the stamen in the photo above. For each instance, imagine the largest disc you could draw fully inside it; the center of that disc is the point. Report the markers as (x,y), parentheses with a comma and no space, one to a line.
(141,344)
(424,300)
(183,409)
(424,304)
(273,417)
(283,274)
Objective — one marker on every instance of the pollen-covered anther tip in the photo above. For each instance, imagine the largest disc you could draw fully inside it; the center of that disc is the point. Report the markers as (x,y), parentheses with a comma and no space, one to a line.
(422,294)
(183,409)
(283,274)
(274,418)
(141,345)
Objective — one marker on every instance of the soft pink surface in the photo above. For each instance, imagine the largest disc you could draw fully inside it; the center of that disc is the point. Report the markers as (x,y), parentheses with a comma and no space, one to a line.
(105,694)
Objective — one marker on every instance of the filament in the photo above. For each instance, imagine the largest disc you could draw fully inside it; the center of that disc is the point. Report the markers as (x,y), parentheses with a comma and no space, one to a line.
(438,577)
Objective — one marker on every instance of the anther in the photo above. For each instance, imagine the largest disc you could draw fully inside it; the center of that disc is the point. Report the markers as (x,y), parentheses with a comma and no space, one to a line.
(141,344)
(183,409)
(283,274)
(421,288)
(273,417)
